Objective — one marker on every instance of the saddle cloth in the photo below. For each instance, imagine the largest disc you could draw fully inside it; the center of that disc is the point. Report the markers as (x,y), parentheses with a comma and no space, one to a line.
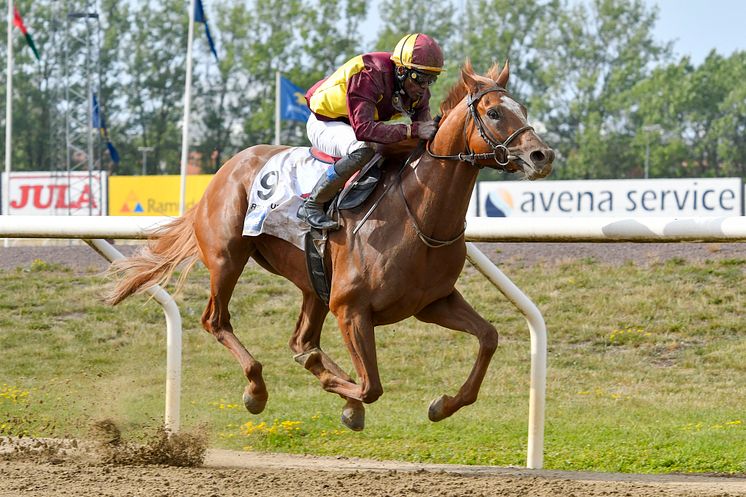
(275,196)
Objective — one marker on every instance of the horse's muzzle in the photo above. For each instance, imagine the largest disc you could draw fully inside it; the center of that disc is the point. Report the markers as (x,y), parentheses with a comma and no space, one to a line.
(535,163)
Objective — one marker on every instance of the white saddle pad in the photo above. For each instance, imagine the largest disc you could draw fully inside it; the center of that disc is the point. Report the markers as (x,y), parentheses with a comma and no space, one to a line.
(275,195)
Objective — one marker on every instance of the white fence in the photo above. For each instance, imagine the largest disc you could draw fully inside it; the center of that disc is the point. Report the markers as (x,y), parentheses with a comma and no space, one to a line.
(94,229)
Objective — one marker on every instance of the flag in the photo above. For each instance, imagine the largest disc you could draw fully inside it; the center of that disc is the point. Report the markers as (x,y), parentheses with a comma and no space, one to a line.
(199,16)
(18,22)
(293,105)
(99,122)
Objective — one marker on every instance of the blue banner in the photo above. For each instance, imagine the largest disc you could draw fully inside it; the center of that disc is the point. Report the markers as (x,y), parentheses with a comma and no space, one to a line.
(293,105)
(199,16)
(98,121)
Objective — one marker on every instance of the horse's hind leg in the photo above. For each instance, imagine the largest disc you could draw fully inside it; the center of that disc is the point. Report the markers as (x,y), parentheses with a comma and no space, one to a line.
(455,313)
(225,265)
(306,344)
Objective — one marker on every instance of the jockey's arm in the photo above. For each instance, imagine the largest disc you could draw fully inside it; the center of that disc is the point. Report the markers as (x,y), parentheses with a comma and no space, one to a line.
(362,120)
(362,94)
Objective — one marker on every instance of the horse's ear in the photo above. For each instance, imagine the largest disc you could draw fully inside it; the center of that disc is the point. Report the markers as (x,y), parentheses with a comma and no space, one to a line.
(502,78)
(469,78)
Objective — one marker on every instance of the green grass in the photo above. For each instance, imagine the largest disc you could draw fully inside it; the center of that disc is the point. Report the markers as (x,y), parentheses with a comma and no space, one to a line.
(646,369)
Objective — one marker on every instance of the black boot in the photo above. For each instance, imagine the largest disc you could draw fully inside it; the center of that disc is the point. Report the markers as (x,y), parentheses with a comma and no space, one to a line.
(312,210)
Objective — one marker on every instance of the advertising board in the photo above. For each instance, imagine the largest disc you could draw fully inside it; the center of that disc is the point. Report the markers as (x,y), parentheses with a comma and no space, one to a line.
(692,197)
(153,195)
(44,193)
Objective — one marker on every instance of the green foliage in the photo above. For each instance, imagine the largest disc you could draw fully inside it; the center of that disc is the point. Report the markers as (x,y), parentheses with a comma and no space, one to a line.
(609,95)
(645,369)
(401,17)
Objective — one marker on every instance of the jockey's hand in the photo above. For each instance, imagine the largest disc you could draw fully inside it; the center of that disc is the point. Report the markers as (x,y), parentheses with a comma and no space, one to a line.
(426,130)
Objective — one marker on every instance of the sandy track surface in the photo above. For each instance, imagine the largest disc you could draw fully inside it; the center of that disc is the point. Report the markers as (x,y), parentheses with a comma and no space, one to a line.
(83,258)
(227,473)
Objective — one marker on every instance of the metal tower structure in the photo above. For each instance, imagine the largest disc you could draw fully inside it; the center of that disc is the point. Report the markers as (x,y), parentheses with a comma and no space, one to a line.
(57,128)
(80,45)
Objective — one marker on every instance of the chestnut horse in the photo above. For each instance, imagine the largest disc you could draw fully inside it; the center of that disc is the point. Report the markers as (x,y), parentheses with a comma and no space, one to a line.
(403,261)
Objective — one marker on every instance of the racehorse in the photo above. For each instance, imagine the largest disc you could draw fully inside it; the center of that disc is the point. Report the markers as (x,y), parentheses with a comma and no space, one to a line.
(402,261)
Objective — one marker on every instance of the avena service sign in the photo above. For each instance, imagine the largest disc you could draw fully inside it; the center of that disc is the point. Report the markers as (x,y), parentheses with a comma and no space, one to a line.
(692,197)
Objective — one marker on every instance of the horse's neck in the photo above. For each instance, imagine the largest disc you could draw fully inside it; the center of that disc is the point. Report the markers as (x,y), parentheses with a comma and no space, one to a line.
(438,191)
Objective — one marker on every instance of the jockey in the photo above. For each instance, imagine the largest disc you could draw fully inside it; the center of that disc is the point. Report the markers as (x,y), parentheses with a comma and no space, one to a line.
(348,107)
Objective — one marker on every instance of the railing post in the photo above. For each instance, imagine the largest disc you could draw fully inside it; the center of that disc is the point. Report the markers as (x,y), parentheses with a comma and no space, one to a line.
(173,339)
(538,332)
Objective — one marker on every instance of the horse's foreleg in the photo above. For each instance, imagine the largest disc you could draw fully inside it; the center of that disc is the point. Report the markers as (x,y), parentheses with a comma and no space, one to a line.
(306,344)
(455,313)
(358,334)
(225,266)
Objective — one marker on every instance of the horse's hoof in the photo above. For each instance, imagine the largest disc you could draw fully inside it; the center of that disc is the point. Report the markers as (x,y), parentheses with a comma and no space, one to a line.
(354,417)
(253,405)
(436,411)
(309,358)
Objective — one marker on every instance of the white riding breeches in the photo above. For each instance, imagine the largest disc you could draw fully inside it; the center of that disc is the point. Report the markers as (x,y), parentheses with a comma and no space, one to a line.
(332,137)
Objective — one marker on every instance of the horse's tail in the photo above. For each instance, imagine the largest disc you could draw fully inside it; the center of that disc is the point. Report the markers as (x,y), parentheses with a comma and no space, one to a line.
(168,247)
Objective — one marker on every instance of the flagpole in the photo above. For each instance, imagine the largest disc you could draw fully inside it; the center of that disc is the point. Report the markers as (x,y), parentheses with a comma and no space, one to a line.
(8,113)
(277,107)
(187,104)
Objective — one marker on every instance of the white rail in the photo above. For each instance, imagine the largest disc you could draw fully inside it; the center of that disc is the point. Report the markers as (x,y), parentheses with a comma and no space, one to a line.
(93,229)
(538,334)
(479,229)
(173,339)
(606,229)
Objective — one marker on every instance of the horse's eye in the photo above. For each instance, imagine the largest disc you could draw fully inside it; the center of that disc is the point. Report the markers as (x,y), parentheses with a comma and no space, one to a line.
(493,114)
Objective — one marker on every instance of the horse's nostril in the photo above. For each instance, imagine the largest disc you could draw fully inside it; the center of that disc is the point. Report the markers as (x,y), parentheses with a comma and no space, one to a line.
(538,157)
(541,157)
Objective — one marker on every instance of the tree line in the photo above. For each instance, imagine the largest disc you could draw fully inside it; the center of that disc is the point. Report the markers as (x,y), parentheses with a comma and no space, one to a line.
(614,102)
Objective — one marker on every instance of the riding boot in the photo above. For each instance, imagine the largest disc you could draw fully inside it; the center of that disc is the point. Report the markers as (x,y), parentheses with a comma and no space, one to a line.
(312,210)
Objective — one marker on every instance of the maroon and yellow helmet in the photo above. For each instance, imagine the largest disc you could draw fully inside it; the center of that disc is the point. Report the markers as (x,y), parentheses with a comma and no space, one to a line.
(418,51)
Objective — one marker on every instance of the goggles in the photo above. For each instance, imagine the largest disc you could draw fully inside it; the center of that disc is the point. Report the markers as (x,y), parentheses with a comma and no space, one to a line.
(423,79)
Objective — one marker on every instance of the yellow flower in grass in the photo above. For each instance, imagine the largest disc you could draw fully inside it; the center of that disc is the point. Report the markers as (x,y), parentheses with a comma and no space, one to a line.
(697,427)
(277,427)
(628,335)
(222,405)
(13,394)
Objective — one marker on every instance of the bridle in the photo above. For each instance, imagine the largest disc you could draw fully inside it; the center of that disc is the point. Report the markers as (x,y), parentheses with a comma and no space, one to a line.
(500,152)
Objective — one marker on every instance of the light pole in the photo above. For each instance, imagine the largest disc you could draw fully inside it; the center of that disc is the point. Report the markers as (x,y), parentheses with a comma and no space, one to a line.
(145,151)
(649,129)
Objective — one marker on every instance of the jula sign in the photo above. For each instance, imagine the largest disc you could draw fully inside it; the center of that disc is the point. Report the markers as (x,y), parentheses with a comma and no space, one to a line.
(43,193)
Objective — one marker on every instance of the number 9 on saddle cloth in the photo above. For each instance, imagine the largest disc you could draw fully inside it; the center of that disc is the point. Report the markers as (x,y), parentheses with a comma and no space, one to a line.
(278,191)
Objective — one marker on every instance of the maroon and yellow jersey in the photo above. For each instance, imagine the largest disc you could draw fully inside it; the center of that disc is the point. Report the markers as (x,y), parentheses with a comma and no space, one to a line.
(359,93)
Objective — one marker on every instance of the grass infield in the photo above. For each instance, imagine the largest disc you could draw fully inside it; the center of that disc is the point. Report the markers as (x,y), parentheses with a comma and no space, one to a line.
(646,369)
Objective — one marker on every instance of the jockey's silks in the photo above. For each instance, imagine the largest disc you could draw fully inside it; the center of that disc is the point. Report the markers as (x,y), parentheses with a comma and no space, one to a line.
(359,93)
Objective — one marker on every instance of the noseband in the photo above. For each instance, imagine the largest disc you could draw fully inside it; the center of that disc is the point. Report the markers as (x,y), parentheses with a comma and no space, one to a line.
(500,152)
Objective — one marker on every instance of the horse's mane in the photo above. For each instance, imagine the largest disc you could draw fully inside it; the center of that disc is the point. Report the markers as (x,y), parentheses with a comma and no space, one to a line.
(455,95)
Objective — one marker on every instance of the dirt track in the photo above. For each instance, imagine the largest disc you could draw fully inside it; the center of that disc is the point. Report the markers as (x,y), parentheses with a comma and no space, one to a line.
(228,473)
(81,257)
(272,475)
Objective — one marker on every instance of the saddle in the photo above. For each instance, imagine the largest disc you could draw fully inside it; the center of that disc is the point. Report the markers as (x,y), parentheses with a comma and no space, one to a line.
(357,190)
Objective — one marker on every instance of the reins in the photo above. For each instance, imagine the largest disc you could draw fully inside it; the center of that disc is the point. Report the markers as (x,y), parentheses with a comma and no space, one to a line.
(500,153)
(427,240)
